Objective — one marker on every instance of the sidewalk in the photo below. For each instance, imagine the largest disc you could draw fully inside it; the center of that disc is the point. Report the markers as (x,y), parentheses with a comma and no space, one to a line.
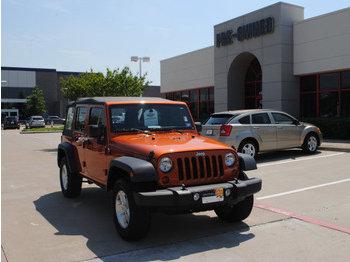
(335,145)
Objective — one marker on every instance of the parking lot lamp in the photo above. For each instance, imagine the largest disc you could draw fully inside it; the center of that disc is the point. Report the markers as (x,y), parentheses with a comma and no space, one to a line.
(139,59)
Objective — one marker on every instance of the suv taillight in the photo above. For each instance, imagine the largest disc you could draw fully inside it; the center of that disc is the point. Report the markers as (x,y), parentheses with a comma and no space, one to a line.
(225,130)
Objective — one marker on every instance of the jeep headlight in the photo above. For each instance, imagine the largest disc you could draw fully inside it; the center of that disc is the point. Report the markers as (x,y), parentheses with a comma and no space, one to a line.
(165,164)
(229,159)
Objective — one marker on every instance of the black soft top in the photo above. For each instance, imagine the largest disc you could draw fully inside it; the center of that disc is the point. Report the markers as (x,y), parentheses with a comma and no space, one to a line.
(103,100)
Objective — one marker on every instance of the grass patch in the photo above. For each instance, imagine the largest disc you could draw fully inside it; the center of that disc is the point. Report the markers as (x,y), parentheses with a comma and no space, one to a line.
(43,129)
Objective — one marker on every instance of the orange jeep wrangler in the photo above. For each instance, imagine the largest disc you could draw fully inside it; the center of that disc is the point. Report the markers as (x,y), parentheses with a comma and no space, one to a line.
(148,153)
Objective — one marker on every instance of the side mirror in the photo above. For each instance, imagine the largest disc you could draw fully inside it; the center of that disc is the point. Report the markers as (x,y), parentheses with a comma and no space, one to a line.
(198,126)
(96,131)
(296,122)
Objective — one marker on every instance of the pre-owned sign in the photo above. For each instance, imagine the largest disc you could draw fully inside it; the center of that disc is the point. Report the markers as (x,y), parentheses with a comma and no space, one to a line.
(245,32)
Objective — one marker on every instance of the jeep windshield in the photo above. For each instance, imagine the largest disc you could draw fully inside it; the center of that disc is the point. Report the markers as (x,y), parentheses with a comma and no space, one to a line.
(149,117)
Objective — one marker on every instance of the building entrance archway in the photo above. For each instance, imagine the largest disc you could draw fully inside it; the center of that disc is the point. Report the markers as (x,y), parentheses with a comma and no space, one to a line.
(244,82)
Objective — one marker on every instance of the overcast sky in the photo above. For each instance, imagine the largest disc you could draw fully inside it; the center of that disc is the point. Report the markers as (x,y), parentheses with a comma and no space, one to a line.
(76,35)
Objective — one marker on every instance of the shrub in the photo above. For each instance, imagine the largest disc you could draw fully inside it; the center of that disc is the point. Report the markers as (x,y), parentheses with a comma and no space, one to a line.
(333,128)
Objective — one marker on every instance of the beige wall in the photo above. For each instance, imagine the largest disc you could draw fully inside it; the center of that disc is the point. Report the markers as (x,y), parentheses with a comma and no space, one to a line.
(322,43)
(187,71)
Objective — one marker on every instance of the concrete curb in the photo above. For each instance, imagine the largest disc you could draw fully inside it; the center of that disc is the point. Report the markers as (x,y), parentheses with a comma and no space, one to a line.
(38,132)
(338,149)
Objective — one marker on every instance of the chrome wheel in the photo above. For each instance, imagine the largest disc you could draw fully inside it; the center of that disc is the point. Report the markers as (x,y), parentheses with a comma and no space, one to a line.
(312,143)
(64,177)
(249,149)
(122,209)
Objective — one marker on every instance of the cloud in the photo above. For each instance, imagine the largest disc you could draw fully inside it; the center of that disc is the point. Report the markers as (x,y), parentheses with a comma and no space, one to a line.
(75,53)
(54,6)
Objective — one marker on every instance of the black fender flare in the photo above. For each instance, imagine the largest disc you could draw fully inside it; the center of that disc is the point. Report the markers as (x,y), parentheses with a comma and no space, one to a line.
(246,162)
(138,170)
(69,151)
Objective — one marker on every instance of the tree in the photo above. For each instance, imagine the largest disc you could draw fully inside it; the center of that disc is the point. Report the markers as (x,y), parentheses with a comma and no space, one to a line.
(113,83)
(35,103)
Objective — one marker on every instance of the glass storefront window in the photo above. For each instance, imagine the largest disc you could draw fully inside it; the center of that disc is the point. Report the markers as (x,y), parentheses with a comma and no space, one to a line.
(200,101)
(308,105)
(329,104)
(345,80)
(345,104)
(308,83)
(329,81)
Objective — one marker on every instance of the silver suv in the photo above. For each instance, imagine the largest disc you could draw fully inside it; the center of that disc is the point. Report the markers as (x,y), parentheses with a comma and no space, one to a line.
(258,130)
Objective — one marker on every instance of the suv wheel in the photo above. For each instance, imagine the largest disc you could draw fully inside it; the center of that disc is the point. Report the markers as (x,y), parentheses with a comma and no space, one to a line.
(310,144)
(131,221)
(248,147)
(70,182)
(238,212)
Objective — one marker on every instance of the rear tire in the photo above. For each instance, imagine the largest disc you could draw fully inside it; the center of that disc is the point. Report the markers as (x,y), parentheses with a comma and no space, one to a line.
(236,213)
(131,221)
(310,144)
(248,147)
(70,182)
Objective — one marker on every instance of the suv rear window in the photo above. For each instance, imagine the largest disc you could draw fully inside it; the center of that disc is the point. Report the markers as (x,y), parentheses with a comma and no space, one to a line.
(219,119)
(69,118)
(244,120)
(38,118)
(80,119)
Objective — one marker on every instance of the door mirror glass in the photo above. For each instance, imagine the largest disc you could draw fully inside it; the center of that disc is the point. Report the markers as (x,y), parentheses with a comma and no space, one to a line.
(198,126)
(296,122)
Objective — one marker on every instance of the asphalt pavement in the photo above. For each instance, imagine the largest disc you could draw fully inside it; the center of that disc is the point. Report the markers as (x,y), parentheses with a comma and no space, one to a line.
(302,213)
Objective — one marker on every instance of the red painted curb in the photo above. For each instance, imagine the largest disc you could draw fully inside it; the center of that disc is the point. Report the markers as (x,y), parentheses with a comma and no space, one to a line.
(303,218)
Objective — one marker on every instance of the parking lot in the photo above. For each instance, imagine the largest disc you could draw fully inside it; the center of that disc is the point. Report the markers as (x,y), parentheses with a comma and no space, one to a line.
(302,213)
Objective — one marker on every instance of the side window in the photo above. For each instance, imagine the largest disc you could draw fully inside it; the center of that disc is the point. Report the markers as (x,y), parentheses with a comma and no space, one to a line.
(282,119)
(244,120)
(69,118)
(262,118)
(97,117)
(80,119)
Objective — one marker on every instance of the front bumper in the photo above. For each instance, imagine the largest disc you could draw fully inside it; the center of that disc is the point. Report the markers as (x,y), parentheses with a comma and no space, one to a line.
(183,198)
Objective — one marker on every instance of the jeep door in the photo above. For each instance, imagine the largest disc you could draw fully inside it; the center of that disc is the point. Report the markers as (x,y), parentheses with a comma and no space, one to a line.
(95,146)
(264,130)
(288,133)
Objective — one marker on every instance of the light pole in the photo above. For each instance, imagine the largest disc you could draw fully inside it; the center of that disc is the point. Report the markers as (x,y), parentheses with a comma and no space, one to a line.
(139,59)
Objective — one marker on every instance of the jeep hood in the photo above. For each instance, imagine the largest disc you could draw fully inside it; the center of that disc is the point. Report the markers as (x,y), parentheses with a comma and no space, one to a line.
(165,142)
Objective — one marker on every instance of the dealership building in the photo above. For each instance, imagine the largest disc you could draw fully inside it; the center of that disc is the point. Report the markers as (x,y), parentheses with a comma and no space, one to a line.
(269,58)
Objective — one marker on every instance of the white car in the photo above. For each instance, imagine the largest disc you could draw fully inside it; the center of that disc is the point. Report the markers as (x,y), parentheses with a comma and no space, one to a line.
(35,121)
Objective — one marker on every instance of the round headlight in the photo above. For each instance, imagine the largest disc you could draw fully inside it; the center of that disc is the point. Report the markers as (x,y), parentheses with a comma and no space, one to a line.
(165,164)
(229,159)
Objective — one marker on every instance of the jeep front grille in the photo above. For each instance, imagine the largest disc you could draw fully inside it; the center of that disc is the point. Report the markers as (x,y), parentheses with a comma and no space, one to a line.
(202,167)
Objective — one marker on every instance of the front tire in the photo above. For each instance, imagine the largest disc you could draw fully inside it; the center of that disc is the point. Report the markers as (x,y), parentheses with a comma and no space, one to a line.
(248,147)
(70,182)
(236,213)
(310,144)
(131,221)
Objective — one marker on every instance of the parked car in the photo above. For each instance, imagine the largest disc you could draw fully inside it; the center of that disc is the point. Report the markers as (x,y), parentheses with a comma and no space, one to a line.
(35,121)
(259,130)
(11,122)
(151,162)
(56,120)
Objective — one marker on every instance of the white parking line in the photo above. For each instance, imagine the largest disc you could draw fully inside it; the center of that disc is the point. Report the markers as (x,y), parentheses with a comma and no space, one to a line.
(301,159)
(304,189)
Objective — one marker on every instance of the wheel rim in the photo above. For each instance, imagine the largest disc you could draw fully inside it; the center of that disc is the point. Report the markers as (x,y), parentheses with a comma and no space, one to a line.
(249,149)
(122,209)
(312,143)
(64,177)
